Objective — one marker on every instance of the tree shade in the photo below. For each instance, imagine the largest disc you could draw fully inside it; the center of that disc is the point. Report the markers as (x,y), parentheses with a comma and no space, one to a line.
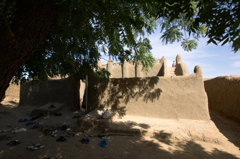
(45,38)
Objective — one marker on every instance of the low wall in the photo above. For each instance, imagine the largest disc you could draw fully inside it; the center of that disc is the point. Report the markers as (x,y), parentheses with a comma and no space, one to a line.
(223,95)
(11,95)
(64,91)
(13,91)
(157,97)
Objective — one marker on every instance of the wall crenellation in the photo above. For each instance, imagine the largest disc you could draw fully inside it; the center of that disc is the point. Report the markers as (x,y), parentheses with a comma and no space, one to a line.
(104,66)
(160,68)
(117,64)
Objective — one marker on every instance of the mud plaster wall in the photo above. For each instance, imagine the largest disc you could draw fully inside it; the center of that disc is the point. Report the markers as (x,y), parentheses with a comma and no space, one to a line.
(181,68)
(223,95)
(116,70)
(131,70)
(82,89)
(157,97)
(128,69)
(13,91)
(64,91)
(155,70)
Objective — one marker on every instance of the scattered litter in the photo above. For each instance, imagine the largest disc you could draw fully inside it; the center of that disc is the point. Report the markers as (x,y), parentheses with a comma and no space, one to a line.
(30,123)
(105,114)
(64,127)
(14,130)
(51,106)
(37,117)
(23,120)
(57,114)
(61,138)
(84,141)
(106,137)
(69,134)
(47,132)
(36,147)
(13,143)
(5,130)
(37,126)
(54,133)
(103,143)
(88,135)
(46,117)
(17,130)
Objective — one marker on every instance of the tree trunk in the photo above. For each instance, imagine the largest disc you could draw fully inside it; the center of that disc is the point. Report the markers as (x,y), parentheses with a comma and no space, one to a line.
(29,28)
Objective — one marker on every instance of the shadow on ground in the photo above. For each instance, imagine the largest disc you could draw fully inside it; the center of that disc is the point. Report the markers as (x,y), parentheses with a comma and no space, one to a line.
(117,147)
(230,129)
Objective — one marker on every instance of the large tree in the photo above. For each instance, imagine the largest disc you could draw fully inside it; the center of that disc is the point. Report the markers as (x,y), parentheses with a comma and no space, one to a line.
(178,29)
(65,36)
(24,26)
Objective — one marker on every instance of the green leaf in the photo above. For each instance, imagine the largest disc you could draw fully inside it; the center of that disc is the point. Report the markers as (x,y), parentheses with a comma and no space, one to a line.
(189,45)
(171,35)
(225,42)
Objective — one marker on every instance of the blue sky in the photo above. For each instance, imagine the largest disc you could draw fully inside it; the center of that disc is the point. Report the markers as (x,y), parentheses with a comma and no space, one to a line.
(214,60)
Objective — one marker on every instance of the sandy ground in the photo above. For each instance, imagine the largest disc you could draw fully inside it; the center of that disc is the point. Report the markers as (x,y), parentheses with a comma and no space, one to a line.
(117,147)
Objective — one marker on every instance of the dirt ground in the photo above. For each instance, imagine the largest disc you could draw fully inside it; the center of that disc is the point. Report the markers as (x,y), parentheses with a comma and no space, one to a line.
(117,147)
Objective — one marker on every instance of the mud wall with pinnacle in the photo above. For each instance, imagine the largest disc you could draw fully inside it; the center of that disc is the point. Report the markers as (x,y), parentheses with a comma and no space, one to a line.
(129,69)
(156,97)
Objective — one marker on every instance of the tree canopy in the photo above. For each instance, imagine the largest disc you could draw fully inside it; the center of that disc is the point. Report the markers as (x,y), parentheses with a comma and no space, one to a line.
(45,38)
(179,29)
(83,29)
